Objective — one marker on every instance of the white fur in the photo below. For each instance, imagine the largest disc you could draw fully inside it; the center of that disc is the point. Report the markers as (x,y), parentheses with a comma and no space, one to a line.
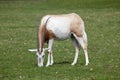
(60,26)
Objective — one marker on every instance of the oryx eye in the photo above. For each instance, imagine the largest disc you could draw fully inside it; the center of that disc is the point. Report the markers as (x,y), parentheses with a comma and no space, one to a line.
(43,56)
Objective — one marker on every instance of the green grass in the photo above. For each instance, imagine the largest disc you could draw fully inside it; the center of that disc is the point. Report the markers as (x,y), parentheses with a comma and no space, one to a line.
(18,34)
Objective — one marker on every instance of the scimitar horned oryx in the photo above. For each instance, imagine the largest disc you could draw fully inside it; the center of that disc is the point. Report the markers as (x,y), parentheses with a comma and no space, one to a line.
(60,27)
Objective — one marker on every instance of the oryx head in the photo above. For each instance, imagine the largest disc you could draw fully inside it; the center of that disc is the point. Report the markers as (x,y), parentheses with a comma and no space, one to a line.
(40,51)
(40,55)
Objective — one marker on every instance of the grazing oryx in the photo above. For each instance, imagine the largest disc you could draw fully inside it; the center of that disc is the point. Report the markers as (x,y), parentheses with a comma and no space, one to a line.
(61,27)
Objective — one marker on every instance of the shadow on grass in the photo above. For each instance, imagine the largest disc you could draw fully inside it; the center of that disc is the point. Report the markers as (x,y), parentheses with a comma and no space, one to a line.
(68,63)
(63,62)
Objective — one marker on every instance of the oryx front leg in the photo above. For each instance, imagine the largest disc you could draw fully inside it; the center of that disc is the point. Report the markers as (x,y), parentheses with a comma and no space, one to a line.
(50,56)
(48,62)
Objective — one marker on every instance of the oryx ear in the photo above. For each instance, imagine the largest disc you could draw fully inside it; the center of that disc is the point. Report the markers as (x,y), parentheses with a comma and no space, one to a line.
(46,49)
(32,50)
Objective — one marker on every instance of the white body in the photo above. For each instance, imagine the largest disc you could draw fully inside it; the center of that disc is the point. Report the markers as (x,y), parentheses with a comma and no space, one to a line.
(62,31)
(62,27)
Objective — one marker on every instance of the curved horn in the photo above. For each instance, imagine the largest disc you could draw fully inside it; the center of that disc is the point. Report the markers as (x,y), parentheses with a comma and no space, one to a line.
(37,29)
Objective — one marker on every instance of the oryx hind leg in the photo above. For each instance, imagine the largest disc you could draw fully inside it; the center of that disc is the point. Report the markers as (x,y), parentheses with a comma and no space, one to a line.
(77,47)
(83,42)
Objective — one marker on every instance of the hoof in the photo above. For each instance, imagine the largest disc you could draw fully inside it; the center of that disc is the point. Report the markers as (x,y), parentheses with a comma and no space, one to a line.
(40,65)
(73,64)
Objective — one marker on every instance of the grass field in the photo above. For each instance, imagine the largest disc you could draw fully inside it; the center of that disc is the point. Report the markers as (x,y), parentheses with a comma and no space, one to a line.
(18,34)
